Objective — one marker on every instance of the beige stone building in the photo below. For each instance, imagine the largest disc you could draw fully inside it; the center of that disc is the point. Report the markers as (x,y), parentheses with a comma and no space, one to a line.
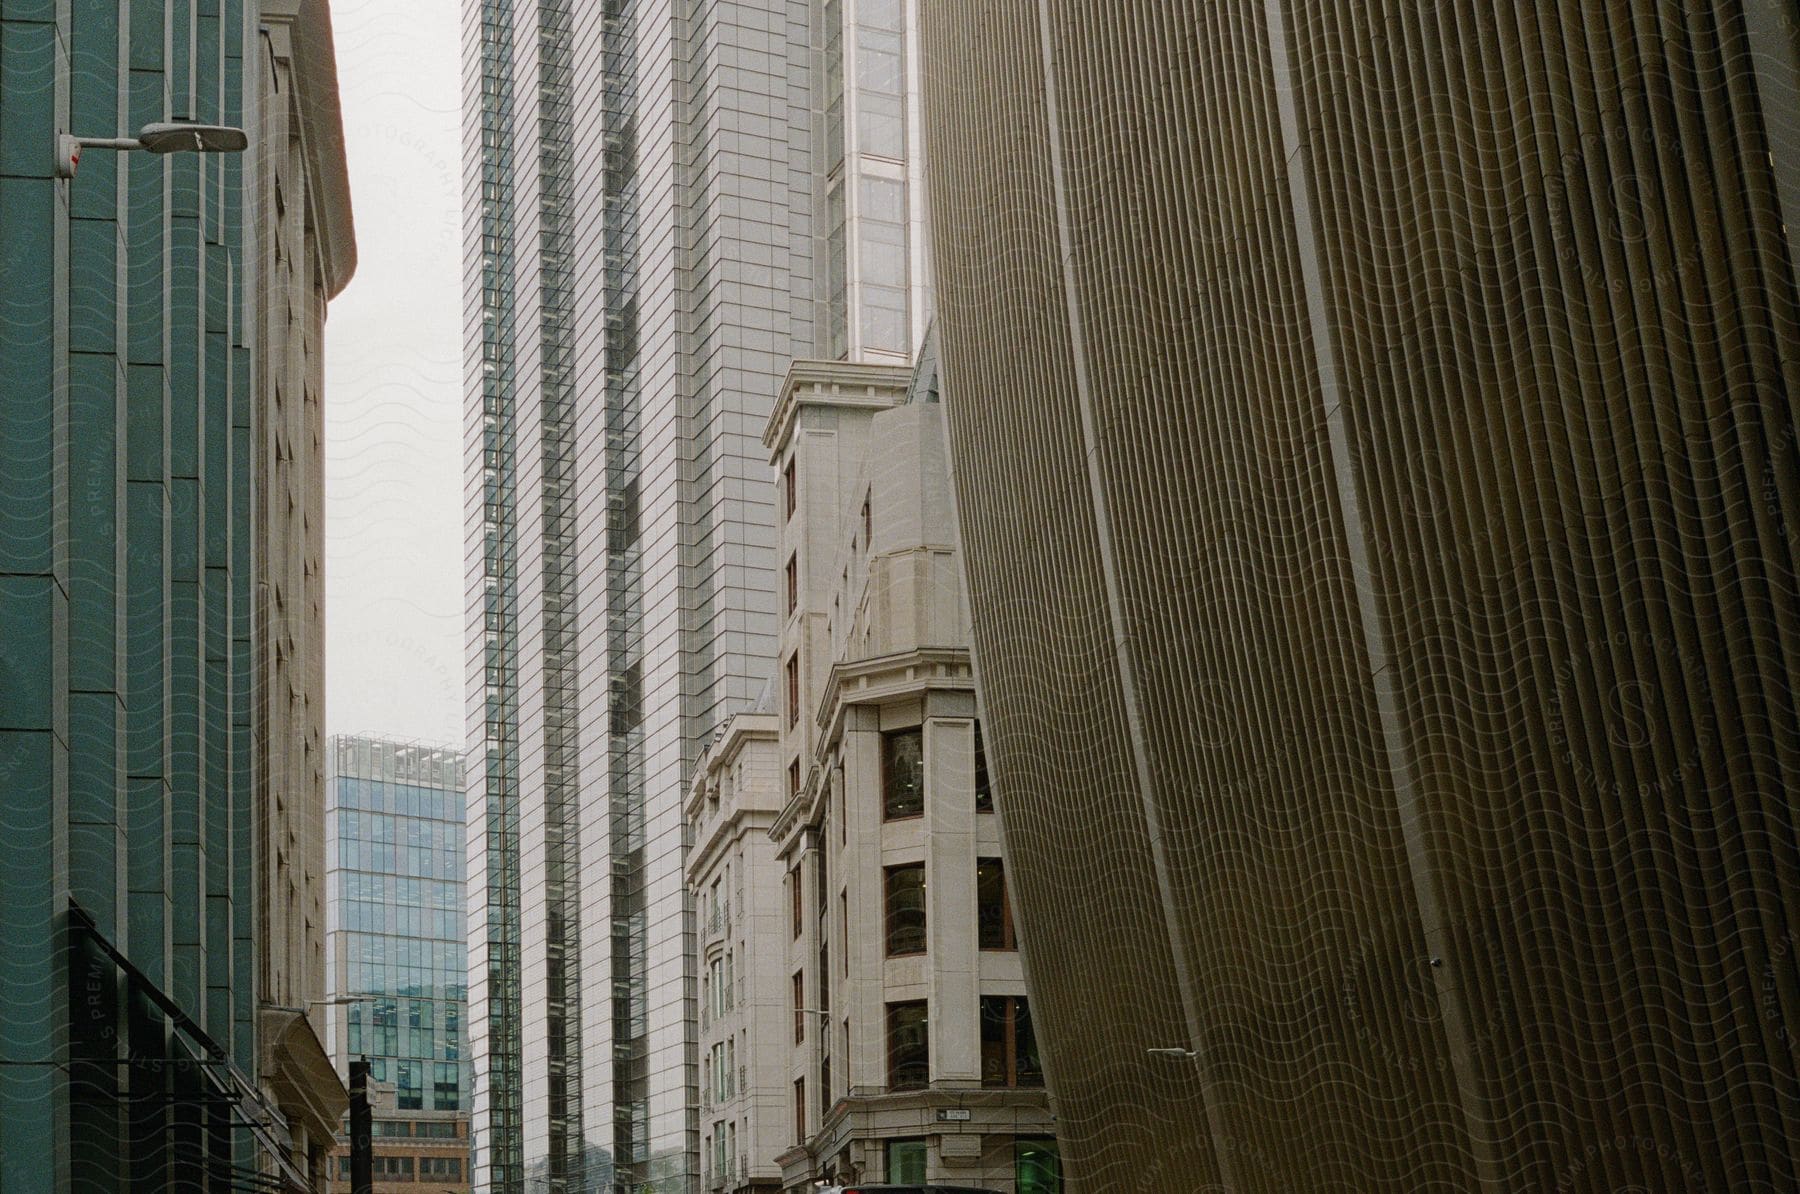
(306,252)
(736,883)
(906,1050)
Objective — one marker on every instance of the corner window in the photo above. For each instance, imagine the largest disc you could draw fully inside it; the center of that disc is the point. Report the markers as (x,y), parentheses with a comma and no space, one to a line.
(909,1046)
(984,787)
(903,773)
(905,904)
(1009,1054)
(993,912)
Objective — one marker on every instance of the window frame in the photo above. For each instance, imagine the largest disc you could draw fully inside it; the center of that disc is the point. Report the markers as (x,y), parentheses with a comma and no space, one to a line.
(1016,1030)
(895,1010)
(890,915)
(888,802)
(984,779)
(1009,936)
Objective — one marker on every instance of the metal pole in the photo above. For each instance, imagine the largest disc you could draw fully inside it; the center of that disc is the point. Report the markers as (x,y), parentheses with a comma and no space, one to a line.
(362,1162)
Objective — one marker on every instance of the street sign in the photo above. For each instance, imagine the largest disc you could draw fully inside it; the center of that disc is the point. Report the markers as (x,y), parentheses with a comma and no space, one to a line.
(952,1114)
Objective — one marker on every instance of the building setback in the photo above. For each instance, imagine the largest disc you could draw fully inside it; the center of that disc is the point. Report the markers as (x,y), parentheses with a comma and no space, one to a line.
(1374,439)
(159,602)
(397,952)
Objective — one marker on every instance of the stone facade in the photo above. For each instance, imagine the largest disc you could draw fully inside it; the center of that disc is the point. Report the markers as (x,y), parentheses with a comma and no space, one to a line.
(883,838)
(735,883)
(306,253)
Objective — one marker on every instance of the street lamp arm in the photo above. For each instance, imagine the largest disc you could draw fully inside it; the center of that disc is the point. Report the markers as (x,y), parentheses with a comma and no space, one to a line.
(162,136)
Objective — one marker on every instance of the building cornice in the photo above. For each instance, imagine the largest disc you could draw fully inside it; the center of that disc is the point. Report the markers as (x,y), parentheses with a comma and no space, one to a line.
(832,383)
(306,1085)
(878,680)
(741,729)
(728,828)
(306,27)
(886,678)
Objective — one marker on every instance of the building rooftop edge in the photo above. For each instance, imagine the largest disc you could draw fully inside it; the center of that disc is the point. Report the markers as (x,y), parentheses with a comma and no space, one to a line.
(839,376)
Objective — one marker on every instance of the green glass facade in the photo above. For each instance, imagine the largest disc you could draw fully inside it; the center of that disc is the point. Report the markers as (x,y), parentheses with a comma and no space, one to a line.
(126,998)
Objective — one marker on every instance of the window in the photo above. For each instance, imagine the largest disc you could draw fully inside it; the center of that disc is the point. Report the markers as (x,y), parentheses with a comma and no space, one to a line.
(984,787)
(909,1046)
(1037,1166)
(868,526)
(793,690)
(448,1168)
(788,490)
(903,773)
(993,912)
(793,779)
(1009,1055)
(799,1006)
(906,1162)
(446,1086)
(799,1109)
(796,899)
(793,583)
(844,924)
(905,903)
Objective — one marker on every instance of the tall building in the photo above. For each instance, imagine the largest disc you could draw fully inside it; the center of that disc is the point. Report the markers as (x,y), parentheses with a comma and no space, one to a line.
(397,971)
(911,1054)
(650,240)
(1374,442)
(305,252)
(161,333)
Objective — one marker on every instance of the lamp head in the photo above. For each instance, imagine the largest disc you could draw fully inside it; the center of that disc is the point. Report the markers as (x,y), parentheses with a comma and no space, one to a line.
(174,136)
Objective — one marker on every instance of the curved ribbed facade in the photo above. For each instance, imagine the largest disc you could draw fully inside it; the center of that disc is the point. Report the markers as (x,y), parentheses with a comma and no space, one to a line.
(1375,448)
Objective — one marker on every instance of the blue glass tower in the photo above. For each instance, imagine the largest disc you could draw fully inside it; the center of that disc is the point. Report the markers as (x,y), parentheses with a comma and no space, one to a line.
(395,919)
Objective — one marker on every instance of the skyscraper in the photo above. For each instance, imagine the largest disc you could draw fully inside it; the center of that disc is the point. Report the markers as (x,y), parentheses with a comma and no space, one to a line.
(640,270)
(161,801)
(397,946)
(1373,428)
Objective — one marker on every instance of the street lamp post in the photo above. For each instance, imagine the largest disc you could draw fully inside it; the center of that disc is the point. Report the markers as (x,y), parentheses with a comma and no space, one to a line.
(163,136)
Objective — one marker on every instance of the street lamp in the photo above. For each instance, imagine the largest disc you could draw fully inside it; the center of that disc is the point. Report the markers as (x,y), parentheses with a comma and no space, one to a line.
(163,136)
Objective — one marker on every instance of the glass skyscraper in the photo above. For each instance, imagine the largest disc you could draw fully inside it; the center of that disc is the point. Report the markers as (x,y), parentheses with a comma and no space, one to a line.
(395,919)
(650,242)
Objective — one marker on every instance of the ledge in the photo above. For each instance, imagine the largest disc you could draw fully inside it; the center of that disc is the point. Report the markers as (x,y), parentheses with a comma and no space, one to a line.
(832,383)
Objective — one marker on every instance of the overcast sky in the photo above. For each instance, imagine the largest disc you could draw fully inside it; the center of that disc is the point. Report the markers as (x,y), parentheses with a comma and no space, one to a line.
(393,390)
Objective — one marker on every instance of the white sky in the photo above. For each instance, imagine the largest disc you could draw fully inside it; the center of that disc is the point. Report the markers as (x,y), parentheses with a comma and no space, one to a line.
(393,390)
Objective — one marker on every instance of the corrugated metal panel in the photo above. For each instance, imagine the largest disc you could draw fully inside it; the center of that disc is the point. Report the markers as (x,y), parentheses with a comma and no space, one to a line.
(1436,366)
